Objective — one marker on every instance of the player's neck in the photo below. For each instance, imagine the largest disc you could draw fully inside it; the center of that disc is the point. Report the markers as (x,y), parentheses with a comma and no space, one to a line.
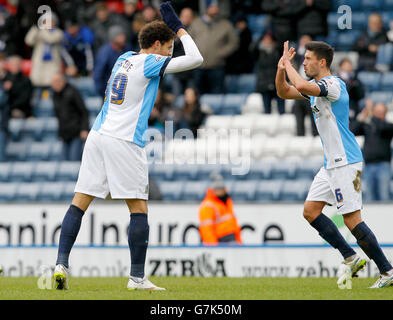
(323,74)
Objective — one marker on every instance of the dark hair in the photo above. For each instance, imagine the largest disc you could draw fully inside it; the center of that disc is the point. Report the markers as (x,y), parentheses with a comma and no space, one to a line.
(153,31)
(322,50)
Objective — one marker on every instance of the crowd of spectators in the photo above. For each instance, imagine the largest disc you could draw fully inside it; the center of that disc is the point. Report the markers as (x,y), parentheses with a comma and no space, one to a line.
(86,37)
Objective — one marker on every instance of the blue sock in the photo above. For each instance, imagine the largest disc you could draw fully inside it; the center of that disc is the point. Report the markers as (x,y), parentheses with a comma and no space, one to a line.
(69,231)
(329,232)
(138,240)
(369,244)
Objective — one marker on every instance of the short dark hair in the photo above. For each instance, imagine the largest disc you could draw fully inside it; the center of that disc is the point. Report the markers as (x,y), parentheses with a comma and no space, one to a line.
(322,50)
(153,31)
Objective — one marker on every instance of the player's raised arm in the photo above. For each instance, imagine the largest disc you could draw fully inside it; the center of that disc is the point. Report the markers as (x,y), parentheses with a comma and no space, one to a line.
(284,89)
(192,58)
(305,87)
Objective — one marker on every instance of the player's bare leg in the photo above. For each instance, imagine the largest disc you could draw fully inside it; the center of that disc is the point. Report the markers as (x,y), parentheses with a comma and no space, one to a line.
(138,241)
(69,231)
(369,244)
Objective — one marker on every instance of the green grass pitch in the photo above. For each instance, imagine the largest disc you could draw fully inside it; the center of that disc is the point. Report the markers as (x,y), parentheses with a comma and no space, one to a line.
(196,289)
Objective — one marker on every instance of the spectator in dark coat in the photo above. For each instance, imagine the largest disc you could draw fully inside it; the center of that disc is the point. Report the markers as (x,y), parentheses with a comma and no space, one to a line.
(107,56)
(241,60)
(78,42)
(73,117)
(267,55)
(378,134)
(4,112)
(354,87)
(312,18)
(369,41)
(18,88)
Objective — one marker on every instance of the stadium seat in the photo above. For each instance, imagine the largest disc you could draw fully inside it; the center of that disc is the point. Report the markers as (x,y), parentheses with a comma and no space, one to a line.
(214,101)
(359,20)
(261,169)
(299,146)
(171,191)
(354,4)
(21,171)
(68,191)
(8,191)
(242,121)
(257,141)
(284,169)
(287,124)
(5,168)
(33,129)
(219,122)
(15,127)
(205,170)
(266,123)
(246,83)
(295,190)
(381,96)
(27,192)
(308,168)
(185,172)
(39,151)
(387,81)
(275,147)
(162,172)
(16,151)
(371,80)
(244,190)
(233,103)
(56,151)
(51,191)
(93,104)
(254,104)
(51,127)
(45,171)
(346,39)
(68,171)
(194,190)
(267,191)
(371,5)
(85,85)
(44,108)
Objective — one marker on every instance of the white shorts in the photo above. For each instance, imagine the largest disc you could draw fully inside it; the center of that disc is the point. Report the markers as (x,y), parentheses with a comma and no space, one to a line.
(339,186)
(115,166)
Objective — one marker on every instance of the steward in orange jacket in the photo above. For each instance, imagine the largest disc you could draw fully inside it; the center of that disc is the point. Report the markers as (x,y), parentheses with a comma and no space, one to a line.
(218,223)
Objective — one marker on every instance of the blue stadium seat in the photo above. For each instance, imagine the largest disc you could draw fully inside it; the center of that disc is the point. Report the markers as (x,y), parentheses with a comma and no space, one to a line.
(260,170)
(388,5)
(295,190)
(257,24)
(285,169)
(387,16)
(33,129)
(194,190)
(16,151)
(346,39)
(68,171)
(171,191)
(371,5)
(215,101)
(67,192)
(44,108)
(21,171)
(45,171)
(268,190)
(185,172)
(39,151)
(93,104)
(8,191)
(371,80)
(381,96)
(85,85)
(161,172)
(387,81)
(5,168)
(359,20)
(28,192)
(246,83)
(354,4)
(307,169)
(51,127)
(205,170)
(15,127)
(232,103)
(51,191)
(56,151)
(244,190)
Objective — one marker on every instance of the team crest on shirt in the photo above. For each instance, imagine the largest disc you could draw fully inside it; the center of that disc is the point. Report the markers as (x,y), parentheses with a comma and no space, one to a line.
(158,58)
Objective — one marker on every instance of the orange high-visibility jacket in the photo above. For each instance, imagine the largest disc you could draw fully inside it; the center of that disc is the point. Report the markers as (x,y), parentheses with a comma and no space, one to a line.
(217,219)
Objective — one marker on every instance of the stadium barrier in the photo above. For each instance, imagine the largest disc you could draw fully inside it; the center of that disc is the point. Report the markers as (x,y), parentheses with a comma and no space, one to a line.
(278,242)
